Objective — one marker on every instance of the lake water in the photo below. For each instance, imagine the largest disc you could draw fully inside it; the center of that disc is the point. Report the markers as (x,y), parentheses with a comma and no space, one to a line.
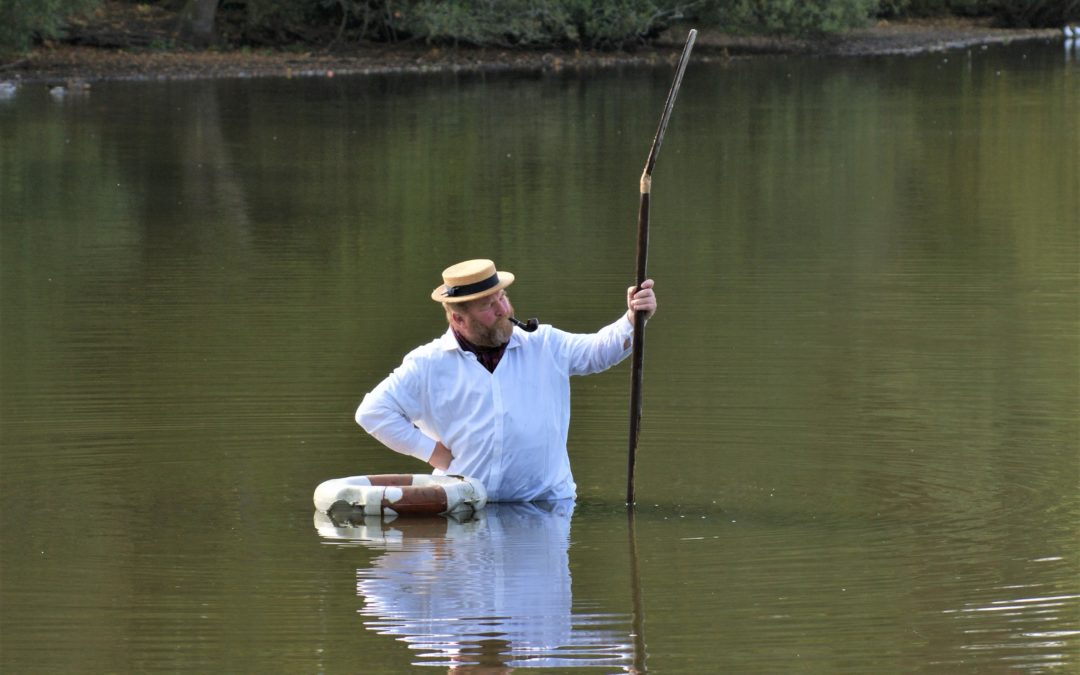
(860,445)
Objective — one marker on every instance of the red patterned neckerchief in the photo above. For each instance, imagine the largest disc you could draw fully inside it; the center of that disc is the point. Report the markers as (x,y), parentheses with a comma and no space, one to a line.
(488,357)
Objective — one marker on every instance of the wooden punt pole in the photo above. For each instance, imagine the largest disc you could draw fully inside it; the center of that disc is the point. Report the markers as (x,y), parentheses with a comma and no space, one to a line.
(642,259)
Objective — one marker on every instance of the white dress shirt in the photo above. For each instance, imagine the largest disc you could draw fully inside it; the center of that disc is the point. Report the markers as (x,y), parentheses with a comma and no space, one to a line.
(507,428)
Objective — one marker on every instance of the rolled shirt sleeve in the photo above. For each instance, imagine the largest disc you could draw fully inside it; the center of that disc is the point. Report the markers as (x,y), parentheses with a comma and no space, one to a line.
(387,412)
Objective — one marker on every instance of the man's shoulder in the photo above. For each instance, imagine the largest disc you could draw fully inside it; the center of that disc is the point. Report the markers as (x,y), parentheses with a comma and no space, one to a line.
(436,349)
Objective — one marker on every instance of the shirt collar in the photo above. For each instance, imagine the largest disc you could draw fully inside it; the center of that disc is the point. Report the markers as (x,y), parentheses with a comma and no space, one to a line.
(449,343)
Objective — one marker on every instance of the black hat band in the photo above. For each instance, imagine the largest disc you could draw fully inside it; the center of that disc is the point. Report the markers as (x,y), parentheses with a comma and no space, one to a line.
(469,289)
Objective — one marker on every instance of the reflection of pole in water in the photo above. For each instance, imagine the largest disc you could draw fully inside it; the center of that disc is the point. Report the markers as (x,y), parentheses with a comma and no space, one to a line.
(637,619)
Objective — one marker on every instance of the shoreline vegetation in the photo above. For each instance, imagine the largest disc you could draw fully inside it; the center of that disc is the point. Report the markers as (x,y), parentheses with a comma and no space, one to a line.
(142,48)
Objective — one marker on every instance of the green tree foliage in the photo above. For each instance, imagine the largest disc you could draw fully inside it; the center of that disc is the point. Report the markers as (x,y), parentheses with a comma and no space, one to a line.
(24,21)
(1036,13)
(529,23)
(614,23)
(930,8)
(509,23)
(793,17)
(196,25)
(274,22)
(607,23)
(595,23)
(1007,13)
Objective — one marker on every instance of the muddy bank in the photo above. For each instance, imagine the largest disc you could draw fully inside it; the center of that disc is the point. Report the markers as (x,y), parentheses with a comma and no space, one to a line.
(94,58)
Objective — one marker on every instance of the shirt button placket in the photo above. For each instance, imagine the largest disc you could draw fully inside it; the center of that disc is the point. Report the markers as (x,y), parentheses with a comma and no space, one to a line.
(497,434)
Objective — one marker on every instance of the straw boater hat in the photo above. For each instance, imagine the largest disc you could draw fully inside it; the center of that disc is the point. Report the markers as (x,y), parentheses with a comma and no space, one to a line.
(470,280)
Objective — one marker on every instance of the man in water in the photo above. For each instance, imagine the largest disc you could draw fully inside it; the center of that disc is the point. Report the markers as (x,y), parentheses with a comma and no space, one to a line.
(489,400)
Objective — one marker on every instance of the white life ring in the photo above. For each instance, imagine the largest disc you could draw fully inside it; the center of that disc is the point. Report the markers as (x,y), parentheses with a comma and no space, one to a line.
(401,494)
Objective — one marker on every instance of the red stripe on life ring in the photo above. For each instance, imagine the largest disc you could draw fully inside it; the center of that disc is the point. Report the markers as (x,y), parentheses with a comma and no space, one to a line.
(401,494)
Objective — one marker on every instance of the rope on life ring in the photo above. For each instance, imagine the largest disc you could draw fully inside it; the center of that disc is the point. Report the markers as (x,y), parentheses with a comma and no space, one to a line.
(401,494)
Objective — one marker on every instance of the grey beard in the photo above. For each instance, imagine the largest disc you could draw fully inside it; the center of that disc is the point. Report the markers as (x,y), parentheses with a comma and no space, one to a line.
(496,336)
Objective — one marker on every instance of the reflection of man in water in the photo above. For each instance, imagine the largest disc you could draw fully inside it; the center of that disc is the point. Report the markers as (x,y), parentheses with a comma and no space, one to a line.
(492,592)
(490,401)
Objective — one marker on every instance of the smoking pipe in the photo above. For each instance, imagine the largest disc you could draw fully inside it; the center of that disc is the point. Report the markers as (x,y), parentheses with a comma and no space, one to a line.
(528,326)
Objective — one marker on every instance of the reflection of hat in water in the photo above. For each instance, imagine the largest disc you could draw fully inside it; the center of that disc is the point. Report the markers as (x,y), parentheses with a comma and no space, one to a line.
(470,280)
